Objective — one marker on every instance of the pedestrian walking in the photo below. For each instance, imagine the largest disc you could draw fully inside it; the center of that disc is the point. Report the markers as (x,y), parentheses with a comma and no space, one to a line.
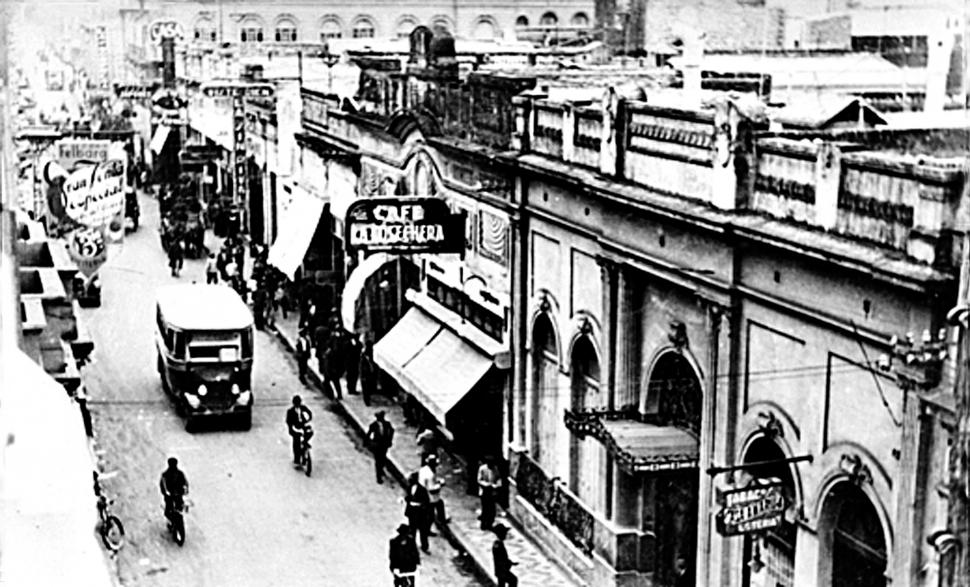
(259,308)
(417,509)
(368,373)
(489,483)
(404,557)
(321,340)
(303,354)
(333,367)
(380,435)
(351,361)
(176,256)
(428,476)
(500,558)
(211,269)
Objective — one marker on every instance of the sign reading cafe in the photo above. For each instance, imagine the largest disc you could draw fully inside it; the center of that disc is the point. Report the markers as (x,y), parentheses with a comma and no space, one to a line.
(754,508)
(404,225)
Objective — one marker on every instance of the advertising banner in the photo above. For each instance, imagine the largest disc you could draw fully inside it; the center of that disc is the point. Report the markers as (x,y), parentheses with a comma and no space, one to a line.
(751,509)
(88,248)
(93,195)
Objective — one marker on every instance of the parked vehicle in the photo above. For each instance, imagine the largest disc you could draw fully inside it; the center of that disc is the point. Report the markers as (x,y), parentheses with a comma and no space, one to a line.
(204,343)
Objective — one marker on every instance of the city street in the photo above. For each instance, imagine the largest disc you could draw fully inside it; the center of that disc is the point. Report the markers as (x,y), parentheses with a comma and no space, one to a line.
(254,520)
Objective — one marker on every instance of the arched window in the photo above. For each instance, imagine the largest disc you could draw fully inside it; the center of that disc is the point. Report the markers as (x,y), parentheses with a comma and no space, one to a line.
(769,556)
(405,26)
(204,30)
(858,546)
(584,385)
(549,19)
(484,29)
(522,21)
(330,29)
(441,22)
(364,28)
(543,409)
(580,19)
(286,31)
(673,399)
(251,31)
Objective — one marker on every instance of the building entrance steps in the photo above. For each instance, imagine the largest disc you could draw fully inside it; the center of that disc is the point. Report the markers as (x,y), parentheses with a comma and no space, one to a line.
(534,568)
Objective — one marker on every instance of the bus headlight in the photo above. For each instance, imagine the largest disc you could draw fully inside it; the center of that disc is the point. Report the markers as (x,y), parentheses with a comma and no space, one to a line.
(243,398)
(234,389)
(193,401)
(202,390)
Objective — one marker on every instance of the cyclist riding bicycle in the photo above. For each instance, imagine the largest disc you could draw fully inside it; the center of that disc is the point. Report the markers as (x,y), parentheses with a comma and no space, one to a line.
(297,423)
(174,486)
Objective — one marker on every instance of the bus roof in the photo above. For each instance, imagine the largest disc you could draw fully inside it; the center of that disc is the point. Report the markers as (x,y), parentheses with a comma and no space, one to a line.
(203,307)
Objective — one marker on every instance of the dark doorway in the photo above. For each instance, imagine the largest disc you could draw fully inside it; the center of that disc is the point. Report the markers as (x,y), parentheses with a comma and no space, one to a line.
(858,544)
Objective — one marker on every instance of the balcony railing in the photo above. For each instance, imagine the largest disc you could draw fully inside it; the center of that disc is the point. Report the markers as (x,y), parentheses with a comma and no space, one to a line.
(556,503)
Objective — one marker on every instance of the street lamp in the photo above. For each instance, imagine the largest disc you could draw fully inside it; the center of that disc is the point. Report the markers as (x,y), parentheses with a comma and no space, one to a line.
(329,59)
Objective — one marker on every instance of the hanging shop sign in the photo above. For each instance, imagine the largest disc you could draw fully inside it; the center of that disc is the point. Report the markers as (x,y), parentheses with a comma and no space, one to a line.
(752,509)
(404,225)
(74,152)
(94,195)
(169,108)
(88,248)
(135,91)
(242,90)
(240,183)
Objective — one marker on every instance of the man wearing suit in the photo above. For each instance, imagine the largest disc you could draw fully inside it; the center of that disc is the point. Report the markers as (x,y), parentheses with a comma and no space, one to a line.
(380,434)
(500,557)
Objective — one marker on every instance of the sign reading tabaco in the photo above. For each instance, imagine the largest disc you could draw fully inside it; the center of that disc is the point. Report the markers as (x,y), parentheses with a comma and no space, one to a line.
(752,509)
(404,225)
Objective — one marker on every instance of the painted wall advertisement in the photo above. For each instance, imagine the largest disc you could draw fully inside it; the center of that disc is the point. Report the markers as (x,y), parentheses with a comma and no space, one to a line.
(86,198)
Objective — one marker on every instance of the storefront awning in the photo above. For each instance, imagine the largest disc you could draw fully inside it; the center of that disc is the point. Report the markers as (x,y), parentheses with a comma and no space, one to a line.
(355,285)
(159,138)
(404,341)
(637,446)
(47,504)
(297,225)
(444,372)
(430,362)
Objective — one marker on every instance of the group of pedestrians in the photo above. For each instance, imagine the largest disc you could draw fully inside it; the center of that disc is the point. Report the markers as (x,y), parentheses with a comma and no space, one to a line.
(340,355)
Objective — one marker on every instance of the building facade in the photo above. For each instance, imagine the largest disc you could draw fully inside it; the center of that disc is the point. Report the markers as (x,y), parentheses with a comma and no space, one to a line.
(706,309)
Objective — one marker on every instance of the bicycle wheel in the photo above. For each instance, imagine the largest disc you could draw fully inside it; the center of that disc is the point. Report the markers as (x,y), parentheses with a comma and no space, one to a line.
(112,533)
(178,530)
(307,462)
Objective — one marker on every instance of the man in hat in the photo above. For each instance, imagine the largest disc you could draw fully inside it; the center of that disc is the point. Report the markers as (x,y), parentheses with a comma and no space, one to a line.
(428,476)
(500,558)
(404,557)
(380,435)
(417,510)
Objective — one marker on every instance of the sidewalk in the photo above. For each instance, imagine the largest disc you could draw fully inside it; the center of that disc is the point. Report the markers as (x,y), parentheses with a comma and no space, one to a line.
(534,569)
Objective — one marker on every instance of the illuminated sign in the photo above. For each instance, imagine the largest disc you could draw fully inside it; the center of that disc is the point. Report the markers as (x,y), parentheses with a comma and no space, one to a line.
(752,509)
(404,225)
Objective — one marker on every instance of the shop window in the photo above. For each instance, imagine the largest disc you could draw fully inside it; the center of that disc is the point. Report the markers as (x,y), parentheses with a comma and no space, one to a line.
(769,556)
(583,463)
(545,383)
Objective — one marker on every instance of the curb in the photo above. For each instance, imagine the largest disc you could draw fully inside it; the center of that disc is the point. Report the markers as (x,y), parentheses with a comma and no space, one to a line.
(455,537)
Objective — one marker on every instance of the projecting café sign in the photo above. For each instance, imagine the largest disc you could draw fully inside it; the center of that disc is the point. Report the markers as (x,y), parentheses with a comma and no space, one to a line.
(754,508)
(404,225)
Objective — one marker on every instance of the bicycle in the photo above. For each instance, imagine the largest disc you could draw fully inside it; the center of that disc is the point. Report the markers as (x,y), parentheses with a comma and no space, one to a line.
(306,459)
(110,528)
(404,579)
(176,520)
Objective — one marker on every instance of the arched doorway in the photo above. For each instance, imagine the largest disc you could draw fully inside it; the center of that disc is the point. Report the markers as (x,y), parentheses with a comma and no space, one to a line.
(769,556)
(545,376)
(584,383)
(674,398)
(856,541)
